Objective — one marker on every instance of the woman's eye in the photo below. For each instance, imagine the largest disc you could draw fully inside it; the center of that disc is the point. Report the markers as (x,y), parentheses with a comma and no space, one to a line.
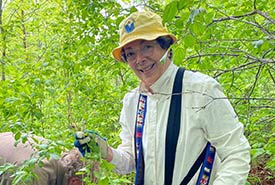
(147,48)
(130,54)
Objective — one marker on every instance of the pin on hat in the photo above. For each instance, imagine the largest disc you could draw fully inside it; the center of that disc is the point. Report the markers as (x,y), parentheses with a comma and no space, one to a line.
(140,25)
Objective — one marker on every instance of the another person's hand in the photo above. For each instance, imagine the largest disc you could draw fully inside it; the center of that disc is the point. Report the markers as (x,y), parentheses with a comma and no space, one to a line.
(83,140)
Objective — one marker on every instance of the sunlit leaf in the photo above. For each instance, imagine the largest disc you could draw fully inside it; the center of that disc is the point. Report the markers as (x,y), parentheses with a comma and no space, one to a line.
(170,11)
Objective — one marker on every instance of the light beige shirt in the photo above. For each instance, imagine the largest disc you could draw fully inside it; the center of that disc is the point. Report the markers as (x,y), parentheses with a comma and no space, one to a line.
(52,173)
(206,116)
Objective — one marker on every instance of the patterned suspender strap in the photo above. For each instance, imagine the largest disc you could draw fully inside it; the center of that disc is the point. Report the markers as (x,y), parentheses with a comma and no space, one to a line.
(140,121)
(207,165)
(207,158)
(173,127)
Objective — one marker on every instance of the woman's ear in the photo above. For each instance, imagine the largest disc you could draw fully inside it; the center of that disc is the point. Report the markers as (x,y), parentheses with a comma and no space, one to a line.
(74,181)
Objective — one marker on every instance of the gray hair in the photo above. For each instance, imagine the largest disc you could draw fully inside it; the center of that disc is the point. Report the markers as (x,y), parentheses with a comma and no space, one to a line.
(71,161)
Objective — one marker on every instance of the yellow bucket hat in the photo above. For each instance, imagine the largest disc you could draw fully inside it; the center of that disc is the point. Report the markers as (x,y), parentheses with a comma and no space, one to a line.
(140,25)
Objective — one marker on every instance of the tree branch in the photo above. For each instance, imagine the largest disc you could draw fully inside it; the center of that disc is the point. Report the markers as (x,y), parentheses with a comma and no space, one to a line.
(272,77)
(234,17)
(211,55)
(264,61)
(263,14)
(263,107)
(256,80)
(235,68)
(254,12)
(3,75)
(212,99)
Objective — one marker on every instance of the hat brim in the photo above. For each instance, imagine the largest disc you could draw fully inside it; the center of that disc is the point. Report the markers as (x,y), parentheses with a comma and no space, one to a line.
(117,51)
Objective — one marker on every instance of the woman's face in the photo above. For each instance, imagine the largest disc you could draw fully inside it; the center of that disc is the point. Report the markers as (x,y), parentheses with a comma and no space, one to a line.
(144,59)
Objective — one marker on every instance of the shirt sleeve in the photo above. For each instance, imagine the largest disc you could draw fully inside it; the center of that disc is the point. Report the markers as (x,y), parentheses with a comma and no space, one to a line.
(225,132)
(123,156)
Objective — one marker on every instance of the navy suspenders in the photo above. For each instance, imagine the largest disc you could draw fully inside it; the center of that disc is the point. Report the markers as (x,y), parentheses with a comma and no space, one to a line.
(172,132)
(173,127)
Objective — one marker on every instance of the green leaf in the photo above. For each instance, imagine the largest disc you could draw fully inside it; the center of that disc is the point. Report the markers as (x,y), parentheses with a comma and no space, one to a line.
(11,99)
(103,181)
(197,28)
(133,9)
(5,167)
(17,136)
(179,23)
(170,11)
(189,41)
(195,13)
(179,54)
(37,81)
(271,163)
(256,152)
(19,177)
(185,4)
(43,146)
(54,156)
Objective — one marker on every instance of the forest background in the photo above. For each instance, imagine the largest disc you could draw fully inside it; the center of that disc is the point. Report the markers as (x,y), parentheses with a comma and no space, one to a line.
(58,76)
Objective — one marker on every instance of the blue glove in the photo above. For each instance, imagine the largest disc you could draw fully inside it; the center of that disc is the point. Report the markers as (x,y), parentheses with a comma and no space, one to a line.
(81,142)
(83,139)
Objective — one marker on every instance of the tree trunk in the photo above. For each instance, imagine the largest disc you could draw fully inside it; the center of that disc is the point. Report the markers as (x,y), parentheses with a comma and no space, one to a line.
(3,76)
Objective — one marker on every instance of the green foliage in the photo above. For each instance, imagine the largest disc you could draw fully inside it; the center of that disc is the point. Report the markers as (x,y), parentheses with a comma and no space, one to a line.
(234,43)
(57,75)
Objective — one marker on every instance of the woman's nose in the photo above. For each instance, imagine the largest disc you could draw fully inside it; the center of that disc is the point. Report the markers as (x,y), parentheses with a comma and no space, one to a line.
(139,57)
